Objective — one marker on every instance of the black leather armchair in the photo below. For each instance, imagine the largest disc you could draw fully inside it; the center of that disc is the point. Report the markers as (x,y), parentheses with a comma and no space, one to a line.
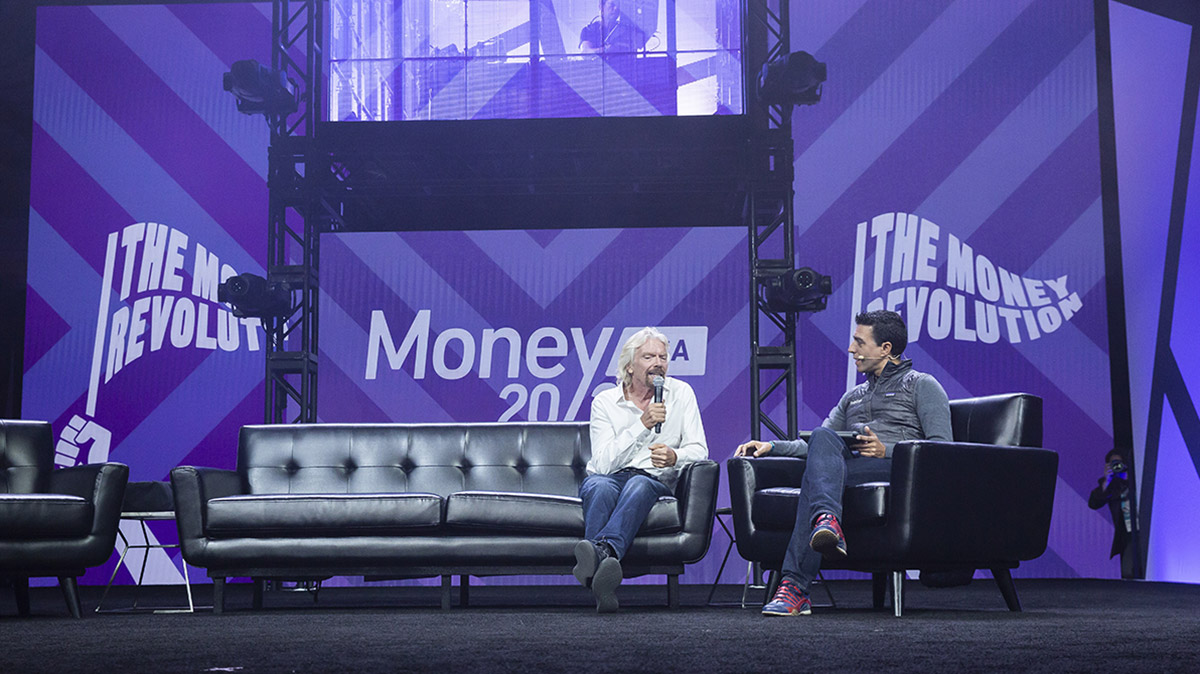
(982,501)
(53,522)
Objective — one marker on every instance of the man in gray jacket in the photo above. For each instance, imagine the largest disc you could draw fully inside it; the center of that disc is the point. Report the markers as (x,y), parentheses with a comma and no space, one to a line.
(894,404)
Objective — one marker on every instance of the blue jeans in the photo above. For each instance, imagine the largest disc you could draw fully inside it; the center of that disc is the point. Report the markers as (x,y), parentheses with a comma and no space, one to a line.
(614,506)
(831,468)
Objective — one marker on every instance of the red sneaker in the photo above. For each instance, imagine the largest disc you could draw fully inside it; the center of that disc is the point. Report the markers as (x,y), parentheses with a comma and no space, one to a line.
(789,601)
(827,537)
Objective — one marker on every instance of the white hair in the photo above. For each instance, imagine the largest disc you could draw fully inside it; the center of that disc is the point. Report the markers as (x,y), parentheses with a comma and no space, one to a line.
(635,341)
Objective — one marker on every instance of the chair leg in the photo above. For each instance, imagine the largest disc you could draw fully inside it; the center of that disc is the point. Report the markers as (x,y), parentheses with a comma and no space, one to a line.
(446,592)
(753,581)
(673,591)
(21,592)
(774,578)
(879,583)
(464,590)
(1005,582)
(70,590)
(897,593)
(187,584)
(218,595)
(260,589)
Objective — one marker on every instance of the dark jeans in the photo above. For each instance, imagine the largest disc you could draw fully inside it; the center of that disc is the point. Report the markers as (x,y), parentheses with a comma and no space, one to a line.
(830,469)
(614,506)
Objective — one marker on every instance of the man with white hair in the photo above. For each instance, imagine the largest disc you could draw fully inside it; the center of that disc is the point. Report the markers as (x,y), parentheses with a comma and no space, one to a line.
(638,448)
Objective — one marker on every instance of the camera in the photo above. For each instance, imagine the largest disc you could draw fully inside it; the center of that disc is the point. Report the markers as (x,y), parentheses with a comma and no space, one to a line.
(1115,467)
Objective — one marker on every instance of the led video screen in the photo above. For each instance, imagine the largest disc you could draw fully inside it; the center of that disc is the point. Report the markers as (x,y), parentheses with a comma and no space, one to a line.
(525,59)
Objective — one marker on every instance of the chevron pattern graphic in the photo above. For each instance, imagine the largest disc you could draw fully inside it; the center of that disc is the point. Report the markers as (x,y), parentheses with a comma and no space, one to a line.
(951,171)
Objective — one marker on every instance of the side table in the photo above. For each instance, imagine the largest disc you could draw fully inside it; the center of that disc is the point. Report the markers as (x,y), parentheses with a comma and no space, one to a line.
(753,575)
(754,572)
(142,518)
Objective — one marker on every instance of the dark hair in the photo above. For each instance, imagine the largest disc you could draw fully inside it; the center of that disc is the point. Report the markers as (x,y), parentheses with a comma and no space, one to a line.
(886,326)
(1115,450)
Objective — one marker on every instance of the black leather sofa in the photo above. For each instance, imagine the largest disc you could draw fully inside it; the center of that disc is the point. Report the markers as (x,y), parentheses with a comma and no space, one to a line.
(53,522)
(416,500)
(982,501)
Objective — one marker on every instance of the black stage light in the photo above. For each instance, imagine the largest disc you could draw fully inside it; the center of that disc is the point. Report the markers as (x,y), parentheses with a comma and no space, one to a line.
(252,295)
(261,90)
(792,79)
(797,290)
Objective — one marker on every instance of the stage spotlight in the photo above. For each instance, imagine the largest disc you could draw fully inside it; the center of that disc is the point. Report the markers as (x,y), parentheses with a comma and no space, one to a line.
(797,290)
(792,79)
(252,295)
(261,90)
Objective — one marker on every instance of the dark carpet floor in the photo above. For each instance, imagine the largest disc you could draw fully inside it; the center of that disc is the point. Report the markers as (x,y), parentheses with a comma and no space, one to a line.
(1066,626)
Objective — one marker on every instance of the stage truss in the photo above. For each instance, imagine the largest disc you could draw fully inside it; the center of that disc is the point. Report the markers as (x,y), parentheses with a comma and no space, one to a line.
(555,174)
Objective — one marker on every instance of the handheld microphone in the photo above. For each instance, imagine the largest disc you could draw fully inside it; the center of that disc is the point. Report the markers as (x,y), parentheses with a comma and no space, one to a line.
(658,388)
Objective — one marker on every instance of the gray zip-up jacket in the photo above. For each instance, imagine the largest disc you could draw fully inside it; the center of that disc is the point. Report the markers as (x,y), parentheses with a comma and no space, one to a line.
(900,404)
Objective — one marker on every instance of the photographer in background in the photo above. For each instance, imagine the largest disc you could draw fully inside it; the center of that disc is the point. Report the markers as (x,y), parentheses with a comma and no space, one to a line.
(1114,490)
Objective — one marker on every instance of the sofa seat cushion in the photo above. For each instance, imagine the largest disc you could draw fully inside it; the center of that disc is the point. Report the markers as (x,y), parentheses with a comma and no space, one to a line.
(663,517)
(774,509)
(498,512)
(865,504)
(38,516)
(323,515)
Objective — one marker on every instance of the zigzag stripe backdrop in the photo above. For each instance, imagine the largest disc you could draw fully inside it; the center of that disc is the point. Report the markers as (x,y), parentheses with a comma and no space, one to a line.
(145,183)
(951,172)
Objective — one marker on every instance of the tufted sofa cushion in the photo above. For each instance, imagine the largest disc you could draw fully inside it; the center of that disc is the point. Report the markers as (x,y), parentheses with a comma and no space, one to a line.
(496,512)
(309,515)
(426,458)
(514,513)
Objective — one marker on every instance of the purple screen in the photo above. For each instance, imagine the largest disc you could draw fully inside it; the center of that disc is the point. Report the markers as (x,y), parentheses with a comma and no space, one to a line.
(952,173)
(521,59)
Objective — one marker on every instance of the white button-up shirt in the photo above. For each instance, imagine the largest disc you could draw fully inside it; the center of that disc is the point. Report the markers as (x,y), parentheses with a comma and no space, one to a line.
(619,440)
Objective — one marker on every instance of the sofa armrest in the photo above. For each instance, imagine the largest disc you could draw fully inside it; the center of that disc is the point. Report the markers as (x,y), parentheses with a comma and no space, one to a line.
(101,483)
(960,501)
(696,492)
(747,476)
(193,487)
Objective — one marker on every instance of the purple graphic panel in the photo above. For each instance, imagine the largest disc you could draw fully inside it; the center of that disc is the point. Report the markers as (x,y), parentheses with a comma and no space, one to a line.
(493,326)
(148,189)
(515,325)
(952,174)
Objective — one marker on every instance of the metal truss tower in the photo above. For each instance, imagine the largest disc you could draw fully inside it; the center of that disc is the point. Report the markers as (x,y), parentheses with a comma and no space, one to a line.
(768,212)
(305,201)
(298,212)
